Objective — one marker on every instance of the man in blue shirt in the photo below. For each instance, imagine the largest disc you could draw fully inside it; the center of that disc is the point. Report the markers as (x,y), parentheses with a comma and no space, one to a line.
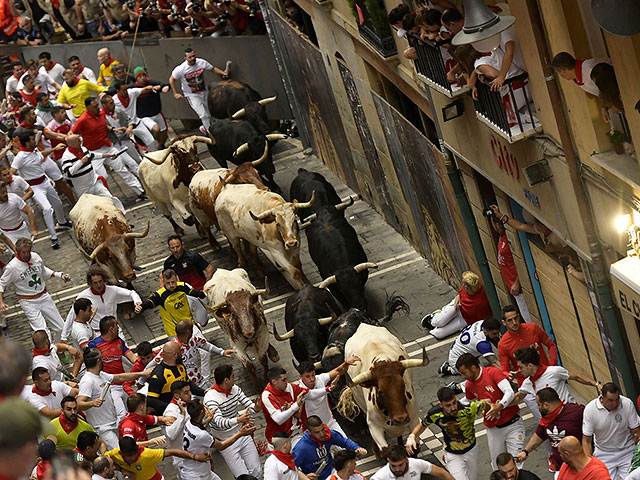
(314,448)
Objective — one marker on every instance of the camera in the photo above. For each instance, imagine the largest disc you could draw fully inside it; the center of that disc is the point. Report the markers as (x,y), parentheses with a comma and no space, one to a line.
(195,7)
(131,4)
(487,212)
(223,18)
(193,26)
(153,7)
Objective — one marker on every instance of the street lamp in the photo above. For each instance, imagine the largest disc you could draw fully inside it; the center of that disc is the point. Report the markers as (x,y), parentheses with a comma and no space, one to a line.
(482,27)
(619,17)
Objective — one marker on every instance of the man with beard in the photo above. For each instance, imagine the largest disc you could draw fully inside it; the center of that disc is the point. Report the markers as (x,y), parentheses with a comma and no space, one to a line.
(67,426)
(477,340)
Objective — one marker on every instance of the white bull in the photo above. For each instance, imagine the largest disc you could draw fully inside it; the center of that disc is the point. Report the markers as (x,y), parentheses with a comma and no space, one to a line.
(385,372)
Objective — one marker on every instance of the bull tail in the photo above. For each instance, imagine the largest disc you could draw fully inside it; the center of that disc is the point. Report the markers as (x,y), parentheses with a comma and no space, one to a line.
(347,406)
(395,303)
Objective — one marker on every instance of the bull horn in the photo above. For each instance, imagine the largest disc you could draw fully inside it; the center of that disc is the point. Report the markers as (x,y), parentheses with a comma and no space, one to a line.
(310,218)
(347,203)
(238,114)
(363,377)
(363,266)
(138,235)
(97,250)
(327,281)
(161,161)
(84,254)
(215,307)
(268,100)
(317,365)
(410,363)
(297,205)
(327,320)
(264,291)
(284,337)
(255,163)
(228,178)
(295,365)
(260,216)
(210,140)
(272,137)
(241,149)
(304,225)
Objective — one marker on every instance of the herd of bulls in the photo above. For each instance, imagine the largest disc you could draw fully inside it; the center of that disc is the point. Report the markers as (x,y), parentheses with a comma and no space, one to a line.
(325,324)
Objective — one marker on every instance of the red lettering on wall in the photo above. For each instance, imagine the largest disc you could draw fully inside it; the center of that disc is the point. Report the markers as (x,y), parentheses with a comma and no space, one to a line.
(505,160)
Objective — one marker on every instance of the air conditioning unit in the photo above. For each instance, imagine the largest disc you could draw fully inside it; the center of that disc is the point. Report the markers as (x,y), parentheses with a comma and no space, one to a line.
(537,173)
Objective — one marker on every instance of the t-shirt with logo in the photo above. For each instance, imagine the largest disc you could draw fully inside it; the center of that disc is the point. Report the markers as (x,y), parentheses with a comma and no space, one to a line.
(471,340)
(190,268)
(144,466)
(112,352)
(416,468)
(192,76)
(611,431)
(486,386)
(196,440)
(567,423)
(174,305)
(505,261)
(91,386)
(459,432)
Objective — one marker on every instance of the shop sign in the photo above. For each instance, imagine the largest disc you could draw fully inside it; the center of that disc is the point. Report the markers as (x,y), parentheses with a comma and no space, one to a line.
(505,160)
(626,286)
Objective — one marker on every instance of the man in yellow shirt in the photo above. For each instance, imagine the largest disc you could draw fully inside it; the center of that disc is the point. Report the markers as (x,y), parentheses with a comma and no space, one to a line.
(75,91)
(107,62)
(68,425)
(142,461)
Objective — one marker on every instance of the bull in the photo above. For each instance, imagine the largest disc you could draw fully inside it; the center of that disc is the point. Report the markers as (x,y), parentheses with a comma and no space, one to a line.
(265,221)
(307,315)
(237,307)
(382,385)
(105,236)
(233,99)
(335,249)
(166,174)
(307,182)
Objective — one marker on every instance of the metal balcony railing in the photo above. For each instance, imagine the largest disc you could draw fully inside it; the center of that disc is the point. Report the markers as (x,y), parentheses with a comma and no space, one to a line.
(374,27)
(430,64)
(509,112)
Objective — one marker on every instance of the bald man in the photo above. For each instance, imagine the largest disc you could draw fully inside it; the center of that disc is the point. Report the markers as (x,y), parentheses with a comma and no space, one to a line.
(577,464)
(164,374)
(107,62)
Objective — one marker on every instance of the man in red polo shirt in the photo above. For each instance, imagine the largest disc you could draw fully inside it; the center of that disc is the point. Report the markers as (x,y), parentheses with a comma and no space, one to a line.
(135,423)
(520,335)
(505,428)
(113,348)
(92,125)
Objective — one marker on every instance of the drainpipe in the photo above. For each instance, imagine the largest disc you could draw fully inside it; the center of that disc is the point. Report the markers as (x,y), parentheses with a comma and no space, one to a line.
(600,268)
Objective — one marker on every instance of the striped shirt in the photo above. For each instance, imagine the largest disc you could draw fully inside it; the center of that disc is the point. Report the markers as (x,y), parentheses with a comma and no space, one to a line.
(224,423)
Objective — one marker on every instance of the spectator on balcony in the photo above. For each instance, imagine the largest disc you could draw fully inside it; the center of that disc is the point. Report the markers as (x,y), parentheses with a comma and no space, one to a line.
(511,56)
(27,34)
(465,57)
(396,15)
(410,27)
(430,24)
(604,77)
(453,21)
(439,5)
(8,22)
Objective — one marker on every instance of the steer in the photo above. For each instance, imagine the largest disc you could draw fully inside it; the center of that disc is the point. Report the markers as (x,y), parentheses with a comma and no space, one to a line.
(307,315)
(237,307)
(105,236)
(389,403)
(335,249)
(265,221)
(234,99)
(307,182)
(166,174)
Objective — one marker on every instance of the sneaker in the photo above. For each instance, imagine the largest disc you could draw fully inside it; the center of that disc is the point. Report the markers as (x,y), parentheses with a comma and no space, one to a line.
(66,224)
(203,131)
(142,196)
(426,322)
(455,387)
(54,244)
(444,369)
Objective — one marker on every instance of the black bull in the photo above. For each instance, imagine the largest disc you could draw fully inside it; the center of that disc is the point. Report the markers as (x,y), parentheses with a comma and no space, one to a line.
(305,184)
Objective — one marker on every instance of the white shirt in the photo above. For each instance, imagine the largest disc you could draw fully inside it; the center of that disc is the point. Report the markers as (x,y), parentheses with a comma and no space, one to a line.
(88,74)
(635,475)
(28,280)
(44,82)
(192,76)
(225,418)
(555,377)
(51,362)
(356,476)
(55,72)
(509,35)
(18,185)
(611,431)
(11,212)
(494,59)
(12,84)
(589,85)
(275,469)
(318,406)
(82,175)
(416,468)
(81,334)
(471,340)
(134,93)
(175,433)
(29,164)
(91,386)
(196,440)
(59,390)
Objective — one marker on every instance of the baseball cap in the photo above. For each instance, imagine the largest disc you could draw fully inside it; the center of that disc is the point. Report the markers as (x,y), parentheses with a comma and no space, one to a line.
(46,449)
(21,424)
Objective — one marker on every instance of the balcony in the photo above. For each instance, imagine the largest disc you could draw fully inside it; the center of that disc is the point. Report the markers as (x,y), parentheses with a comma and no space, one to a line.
(510,112)
(431,66)
(374,27)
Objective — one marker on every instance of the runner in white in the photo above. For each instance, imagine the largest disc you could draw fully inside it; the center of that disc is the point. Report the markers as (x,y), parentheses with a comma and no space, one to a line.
(28,273)
(476,339)
(194,88)
(45,395)
(280,463)
(121,127)
(127,99)
(29,162)
(15,183)
(12,222)
(401,467)
(177,409)
(224,398)
(539,376)
(81,331)
(81,71)
(55,70)
(611,423)
(104,298)
(46,355)
(320,406)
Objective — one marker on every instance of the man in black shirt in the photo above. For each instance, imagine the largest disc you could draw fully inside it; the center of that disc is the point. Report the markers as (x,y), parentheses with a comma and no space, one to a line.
(507,465)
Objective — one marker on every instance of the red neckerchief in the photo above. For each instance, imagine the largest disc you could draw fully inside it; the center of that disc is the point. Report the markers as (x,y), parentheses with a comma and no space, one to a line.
(79,154)
(138,453)
(328,437)
(77,450)
(286,458)
(578,80)
(274,391)
(42,469)
(41,351)
(53,64)
(109,62)
(218,388)
(11,178)
(25,149)
(173,400)
(37,391)
(538,374)
(549,418)
(66,425)
(18,77)
(122,100)
(95,292)
(18,256)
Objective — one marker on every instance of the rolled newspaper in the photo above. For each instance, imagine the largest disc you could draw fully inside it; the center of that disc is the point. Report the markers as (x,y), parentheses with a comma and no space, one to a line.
(105,389)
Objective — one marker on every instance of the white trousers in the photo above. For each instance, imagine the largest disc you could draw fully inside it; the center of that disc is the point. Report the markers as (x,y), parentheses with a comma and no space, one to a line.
(617,461)
(198,102)
(334,425)
(463,466)
(158,120)
(522,306)
(118,166)
(447,321)
(198,312)
(109,435)
(119,397)
(45,195)
(142,132)
(242,458)
(40,311)
(99,189)
(507,439)
(23,232)
(51,169)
